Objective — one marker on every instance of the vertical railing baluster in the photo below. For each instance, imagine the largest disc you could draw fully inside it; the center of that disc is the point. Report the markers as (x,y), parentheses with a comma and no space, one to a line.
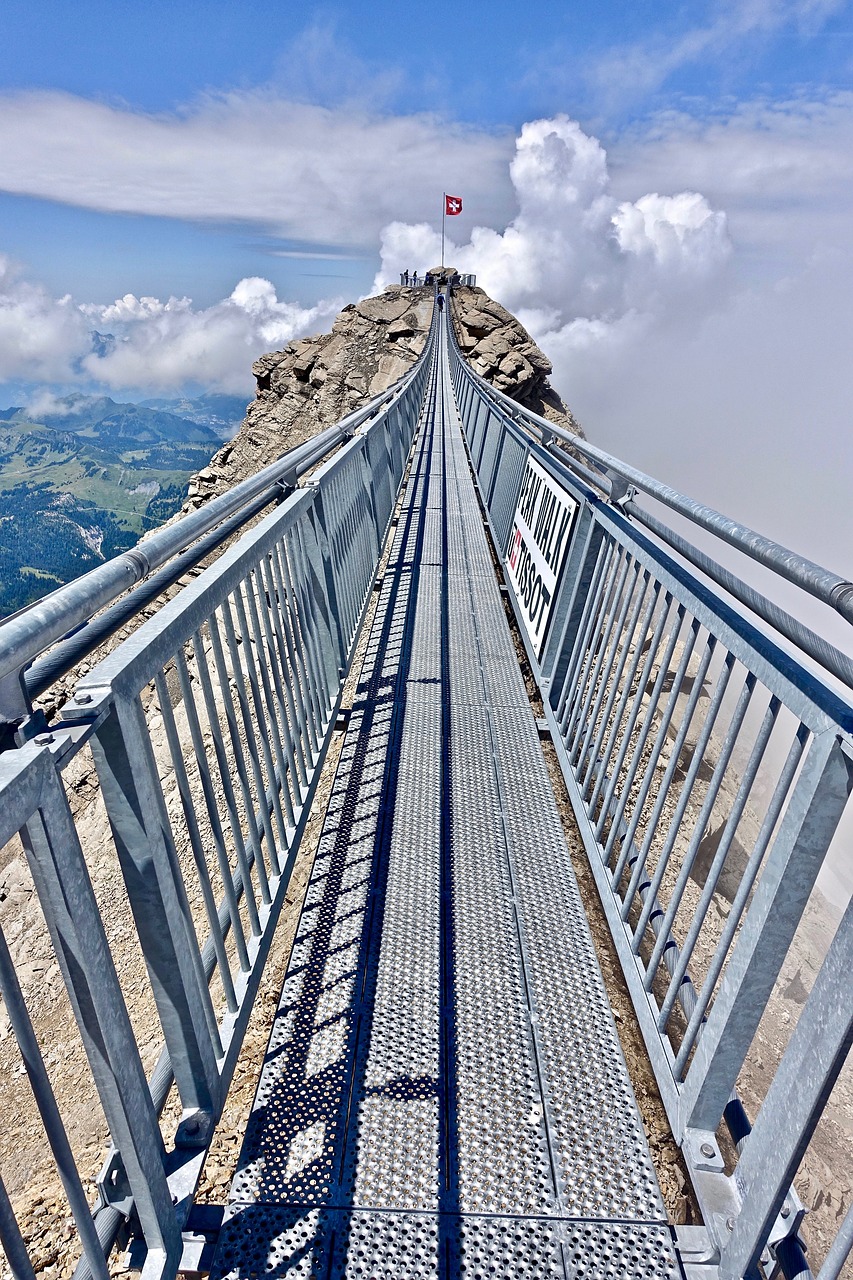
(45,1100)
(74,921)
(750,874)
(700,827)
(316,631)
(248,846)
(632,587)
(140,826)
(279,667)
(15,1248)
(212,808)
(249,738)
(196,842)
(627,837)
(813,812)
(639,864)
(267,712)
(295,681)
(596,652)
(713,873)
(625,782)
(674,829)
(794,1103)
(292,568)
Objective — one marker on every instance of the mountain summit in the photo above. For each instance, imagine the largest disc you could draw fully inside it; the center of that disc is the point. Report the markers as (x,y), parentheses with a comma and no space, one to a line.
(316,381)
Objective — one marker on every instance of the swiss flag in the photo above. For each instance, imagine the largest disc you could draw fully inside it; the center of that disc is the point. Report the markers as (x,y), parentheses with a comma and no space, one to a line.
(452,205)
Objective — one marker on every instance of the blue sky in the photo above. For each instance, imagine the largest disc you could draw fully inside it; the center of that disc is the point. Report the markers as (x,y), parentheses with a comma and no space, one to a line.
(482,66)
(662,191)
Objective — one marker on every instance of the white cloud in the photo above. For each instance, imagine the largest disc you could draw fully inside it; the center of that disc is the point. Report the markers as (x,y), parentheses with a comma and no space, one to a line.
(407,247)
(575,261)
(325,175)
(643,67)
(321,65)
(46,403)
(782,170)
(167,344)
(679,231)
(40,336)
(156,345)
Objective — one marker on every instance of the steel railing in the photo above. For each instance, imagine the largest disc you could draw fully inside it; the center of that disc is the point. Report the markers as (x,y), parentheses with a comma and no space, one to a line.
(49,638)
(708,769)
(208,728)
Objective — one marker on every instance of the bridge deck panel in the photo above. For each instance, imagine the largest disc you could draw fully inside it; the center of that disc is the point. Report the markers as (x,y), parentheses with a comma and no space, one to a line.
(444,1092)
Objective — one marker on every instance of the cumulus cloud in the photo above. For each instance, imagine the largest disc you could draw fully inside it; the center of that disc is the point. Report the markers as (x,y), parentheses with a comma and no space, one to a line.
(153,345)
(40,336)
(329,176)
(782,170)
(578,265)
(45,403)
(166,344)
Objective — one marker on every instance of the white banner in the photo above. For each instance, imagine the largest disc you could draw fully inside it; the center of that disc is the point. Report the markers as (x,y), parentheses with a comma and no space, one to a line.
(537,546)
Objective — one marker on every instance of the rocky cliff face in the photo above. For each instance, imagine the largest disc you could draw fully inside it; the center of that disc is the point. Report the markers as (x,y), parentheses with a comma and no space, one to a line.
(502,351)
(316,381)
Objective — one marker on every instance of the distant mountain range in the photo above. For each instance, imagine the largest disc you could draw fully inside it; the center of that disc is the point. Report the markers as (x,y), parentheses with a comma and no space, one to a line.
(81,477)
(223,414)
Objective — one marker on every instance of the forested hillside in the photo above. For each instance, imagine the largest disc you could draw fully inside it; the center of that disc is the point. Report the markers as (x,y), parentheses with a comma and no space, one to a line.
(80,483)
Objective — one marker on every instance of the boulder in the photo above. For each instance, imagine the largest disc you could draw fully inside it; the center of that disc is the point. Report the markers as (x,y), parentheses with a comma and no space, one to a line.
(383,308)
(479,323)
(493,348)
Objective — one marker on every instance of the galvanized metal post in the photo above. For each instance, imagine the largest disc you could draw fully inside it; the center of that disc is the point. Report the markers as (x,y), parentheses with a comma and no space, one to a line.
(789,1113)
(143,839)
(578,577)
(783,890)
(74,920)
(571,597)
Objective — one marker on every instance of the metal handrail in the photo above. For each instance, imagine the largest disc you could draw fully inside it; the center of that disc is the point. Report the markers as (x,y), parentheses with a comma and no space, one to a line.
(30,633)
(647,674)
(619,482)
(823,584)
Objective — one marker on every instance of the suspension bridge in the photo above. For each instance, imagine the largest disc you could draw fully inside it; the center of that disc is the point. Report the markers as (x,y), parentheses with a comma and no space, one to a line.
(444,1092)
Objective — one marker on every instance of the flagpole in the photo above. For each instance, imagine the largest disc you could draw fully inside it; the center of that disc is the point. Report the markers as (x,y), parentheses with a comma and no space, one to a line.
(443,218)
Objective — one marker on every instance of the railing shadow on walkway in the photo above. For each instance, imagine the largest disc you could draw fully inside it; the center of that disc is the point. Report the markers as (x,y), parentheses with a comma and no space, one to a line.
(323,1176)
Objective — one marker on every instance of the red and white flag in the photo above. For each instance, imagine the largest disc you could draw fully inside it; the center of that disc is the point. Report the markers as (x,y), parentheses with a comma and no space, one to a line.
(452,205)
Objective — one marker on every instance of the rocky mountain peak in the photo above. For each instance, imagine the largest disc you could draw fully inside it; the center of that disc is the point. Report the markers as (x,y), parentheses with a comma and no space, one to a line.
(315,381)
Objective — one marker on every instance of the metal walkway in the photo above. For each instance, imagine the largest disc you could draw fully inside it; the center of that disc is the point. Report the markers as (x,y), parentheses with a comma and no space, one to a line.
(444,1092)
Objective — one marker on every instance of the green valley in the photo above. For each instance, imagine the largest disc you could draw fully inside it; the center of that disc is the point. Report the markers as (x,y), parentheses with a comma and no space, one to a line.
(83,477)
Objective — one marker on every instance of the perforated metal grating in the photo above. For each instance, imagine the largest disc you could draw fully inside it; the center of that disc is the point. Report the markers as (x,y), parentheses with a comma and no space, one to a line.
(444,1092)
(260,1241)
